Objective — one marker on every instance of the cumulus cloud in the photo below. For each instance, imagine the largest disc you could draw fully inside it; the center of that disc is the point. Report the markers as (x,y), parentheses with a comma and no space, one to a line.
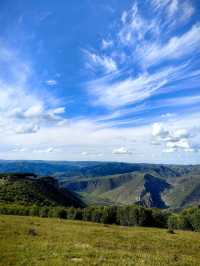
(45,150)
(121,151)
(172,139)
(23,109)
(91,154)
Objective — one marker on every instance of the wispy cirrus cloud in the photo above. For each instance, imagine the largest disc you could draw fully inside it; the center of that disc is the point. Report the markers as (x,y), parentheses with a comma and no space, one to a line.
(152,60)
(106,44)
(101,62)
(144,69)
(178,11)
(177,47)
(117,93)
(157,57)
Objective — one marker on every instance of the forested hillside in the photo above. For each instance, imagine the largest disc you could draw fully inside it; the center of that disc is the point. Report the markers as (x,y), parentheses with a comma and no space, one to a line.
(28,189)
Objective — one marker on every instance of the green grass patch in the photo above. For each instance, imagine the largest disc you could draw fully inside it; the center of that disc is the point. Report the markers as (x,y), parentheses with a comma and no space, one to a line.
(44,241)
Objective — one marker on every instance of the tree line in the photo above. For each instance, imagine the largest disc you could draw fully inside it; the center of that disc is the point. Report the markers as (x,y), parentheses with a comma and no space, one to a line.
(188,219)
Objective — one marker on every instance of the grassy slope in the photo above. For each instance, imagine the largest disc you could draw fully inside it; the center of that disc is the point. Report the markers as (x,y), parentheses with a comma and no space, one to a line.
(114,189)
(61,242)
(128,192)
(182,191)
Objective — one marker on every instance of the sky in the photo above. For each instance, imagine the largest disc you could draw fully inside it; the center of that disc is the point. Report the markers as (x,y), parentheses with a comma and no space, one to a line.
(100,80)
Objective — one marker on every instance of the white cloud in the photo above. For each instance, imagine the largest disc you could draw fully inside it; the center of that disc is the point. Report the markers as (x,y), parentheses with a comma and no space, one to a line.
(177,47)
(34,111)
(23,109)
(160,3)
(19,149)
(106,63)
(121,151)
(124,17)
(46,150)
(167,115)
(169,150)
(59,110)
(131,90)
(134,26)
(173,139)
(84,153)
(152,50)
(106,44)
(51,82)
(131,80)
(89,136)
(187,11)
(173,7)
(159,131)
(26,128)
(126,87)
(91,154)
(181,143)
(177,11)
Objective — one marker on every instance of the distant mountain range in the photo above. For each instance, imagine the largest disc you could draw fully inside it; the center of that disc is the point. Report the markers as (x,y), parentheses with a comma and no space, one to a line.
(151,185)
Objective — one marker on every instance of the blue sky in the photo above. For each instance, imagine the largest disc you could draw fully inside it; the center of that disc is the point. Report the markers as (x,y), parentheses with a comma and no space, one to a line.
(100,80)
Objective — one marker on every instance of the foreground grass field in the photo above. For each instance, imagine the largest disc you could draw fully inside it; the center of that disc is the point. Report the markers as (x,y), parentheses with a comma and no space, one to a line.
(53,242)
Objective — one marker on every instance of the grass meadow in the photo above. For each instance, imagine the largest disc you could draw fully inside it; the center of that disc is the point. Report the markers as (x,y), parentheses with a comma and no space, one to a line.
(54,242)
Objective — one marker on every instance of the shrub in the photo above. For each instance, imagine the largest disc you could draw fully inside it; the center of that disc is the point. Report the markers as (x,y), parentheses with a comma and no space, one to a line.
(96,215)
(32,232)
(43,212)
(109,215)
(87,214)
(170,231)
(195,220)
(62,213)
(71,213)
(34,211)
(159,218)
(173,222)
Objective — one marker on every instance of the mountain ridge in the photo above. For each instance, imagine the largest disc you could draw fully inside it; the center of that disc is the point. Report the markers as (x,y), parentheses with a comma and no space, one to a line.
(110,183)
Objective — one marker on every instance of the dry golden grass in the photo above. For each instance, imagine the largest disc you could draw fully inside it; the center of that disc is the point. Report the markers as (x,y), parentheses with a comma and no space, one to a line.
(53,242)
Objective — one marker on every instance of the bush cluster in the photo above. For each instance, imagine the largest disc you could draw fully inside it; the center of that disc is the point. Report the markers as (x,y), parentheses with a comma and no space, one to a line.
(188,219)
(127,216)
